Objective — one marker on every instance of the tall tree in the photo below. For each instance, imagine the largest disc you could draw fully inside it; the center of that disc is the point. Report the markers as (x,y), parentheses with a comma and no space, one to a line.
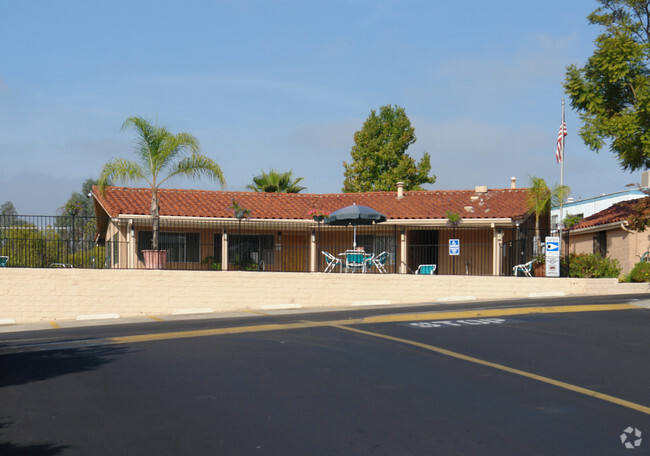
(79,202)
(8,208)
(8,214)
(379,158)
(161,155)
(540,198)
(640,217)
(76,223)
(276,182)
(612,90)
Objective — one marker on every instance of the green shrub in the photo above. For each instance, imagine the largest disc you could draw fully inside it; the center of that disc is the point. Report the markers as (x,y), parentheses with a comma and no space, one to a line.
(592,266)
(640,273)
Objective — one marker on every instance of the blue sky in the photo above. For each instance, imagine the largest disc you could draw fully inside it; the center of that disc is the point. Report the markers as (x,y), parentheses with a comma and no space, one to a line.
(285,84)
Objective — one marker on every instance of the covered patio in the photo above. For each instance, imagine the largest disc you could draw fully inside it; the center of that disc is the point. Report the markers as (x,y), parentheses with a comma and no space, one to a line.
(200,230)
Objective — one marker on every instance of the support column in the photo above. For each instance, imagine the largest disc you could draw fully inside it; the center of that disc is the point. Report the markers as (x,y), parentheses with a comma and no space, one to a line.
(224,251)
(402,252)
(312,252)
(132,248)
(497,239)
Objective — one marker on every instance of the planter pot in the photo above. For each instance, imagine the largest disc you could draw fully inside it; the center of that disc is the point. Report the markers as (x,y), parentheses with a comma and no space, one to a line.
(155,259)
(539,270)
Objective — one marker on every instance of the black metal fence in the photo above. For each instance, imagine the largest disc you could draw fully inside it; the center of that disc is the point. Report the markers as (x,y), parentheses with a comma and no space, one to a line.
(44,241)
(282,246)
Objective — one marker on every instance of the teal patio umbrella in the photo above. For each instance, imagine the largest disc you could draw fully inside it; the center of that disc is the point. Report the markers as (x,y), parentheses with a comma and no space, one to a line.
(355,215)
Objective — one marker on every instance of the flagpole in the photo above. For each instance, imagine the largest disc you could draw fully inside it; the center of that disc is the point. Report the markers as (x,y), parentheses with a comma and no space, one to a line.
(562,166)
(561,220)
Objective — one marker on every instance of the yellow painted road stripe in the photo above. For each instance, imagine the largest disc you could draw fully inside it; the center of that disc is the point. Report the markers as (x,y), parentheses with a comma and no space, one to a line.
(471,359)
(463,314)
(211,332)
(429,316)
(55,325)
(256,313)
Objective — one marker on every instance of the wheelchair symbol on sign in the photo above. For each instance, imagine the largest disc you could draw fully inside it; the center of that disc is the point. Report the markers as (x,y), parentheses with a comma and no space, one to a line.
(454,247)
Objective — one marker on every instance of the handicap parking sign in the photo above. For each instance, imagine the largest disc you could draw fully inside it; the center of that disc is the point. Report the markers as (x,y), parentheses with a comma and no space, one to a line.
(454,246)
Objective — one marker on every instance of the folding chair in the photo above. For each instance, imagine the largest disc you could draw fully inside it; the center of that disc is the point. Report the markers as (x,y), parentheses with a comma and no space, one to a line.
(355,261)
(380,260)
(332,262)
(427,269)
(526,268)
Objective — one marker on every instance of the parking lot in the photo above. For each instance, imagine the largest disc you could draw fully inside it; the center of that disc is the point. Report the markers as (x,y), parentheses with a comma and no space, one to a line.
(563,377)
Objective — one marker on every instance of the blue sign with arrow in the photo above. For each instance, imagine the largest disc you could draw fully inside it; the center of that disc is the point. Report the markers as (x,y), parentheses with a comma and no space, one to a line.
(552,246)
(552,256)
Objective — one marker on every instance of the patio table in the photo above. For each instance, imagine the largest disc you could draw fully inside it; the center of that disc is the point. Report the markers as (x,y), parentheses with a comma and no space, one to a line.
(356,260)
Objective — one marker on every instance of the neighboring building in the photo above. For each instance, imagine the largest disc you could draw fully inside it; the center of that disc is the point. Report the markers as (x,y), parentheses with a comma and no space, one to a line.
(590,206)
(607,233)
(199,227)
(587,207)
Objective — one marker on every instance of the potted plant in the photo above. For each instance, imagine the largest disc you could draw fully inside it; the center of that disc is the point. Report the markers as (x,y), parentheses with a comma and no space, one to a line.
(453,218)
(212,263)
(239,211)
(318,215)
(159,151)
(539,266)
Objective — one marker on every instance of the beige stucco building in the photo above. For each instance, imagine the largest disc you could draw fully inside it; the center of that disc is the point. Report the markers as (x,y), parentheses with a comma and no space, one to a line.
(199,229)
(607,233)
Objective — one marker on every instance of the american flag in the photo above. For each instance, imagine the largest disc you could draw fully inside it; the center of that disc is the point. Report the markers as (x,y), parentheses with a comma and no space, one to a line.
(559,152)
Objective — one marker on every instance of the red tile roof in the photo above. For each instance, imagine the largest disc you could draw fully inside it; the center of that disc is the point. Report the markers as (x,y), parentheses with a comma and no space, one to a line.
(497,203)
(615,213)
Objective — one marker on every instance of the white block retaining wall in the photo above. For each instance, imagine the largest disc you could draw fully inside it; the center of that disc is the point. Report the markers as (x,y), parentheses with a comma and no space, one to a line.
(30,295)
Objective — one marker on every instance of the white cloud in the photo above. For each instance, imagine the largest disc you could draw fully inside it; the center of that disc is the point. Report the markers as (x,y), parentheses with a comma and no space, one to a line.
(473,84)
(540,58)
(468,152)
(327,136)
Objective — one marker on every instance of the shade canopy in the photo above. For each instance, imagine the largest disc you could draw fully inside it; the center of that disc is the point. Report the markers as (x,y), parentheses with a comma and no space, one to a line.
(355,215)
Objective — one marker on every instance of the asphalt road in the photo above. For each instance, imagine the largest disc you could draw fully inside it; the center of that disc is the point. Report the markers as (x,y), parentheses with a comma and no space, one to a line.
(482,379)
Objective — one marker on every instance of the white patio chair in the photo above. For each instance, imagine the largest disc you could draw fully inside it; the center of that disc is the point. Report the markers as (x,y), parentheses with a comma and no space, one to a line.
(332,262)
(380,260)
(526,268)
(356,261)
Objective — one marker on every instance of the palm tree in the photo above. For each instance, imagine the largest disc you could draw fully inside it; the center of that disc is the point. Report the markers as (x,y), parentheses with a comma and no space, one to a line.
(161,155)
(541,198)
(276,182)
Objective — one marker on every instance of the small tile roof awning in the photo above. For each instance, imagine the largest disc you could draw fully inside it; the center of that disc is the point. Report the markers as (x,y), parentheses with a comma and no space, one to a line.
(616,213)
(414,205)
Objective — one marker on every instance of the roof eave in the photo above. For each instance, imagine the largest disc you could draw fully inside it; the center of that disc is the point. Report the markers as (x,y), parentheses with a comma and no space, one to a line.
(601,227)
(495,221)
